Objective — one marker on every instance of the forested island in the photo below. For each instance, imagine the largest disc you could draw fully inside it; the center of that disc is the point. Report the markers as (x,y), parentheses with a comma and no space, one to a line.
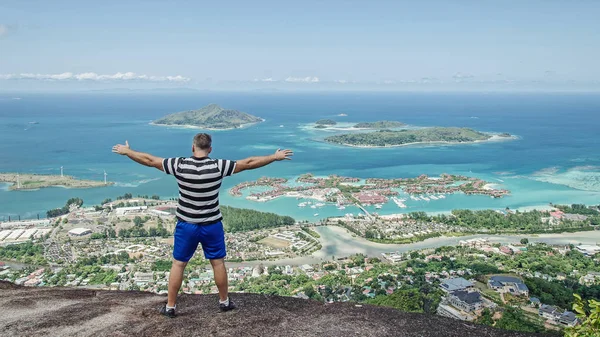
(324,123)
(209,117)
(35,181)
(380,125)
(388,138)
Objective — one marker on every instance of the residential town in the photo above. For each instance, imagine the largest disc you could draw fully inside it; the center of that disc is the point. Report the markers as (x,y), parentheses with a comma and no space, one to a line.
(126,245)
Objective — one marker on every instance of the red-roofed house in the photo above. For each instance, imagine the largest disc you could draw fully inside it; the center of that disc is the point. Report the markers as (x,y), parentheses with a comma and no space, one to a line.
(557,214)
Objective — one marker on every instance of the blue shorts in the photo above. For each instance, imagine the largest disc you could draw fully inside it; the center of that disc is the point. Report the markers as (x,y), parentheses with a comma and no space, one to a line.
(188,236)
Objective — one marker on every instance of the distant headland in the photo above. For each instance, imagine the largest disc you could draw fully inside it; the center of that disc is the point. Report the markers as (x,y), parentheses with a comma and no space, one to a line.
(36,181)
(432,135)
(211,117)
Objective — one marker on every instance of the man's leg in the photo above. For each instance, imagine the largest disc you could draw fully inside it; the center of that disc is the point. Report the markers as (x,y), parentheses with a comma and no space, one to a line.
(175,280)
(186,242)
(220,273)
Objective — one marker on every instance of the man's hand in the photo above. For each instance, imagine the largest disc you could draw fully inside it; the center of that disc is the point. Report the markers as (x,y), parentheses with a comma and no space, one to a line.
(283,154)
(256,162)
(121,149)
(138,157)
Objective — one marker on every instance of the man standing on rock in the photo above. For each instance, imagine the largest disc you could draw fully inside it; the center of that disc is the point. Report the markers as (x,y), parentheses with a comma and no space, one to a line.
(198,216)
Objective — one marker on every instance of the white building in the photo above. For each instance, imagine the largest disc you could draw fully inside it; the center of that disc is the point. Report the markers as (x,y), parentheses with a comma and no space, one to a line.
(80,231)
(28,234)
(160,213)
(134,209)
(588,250)
(14,235)
(25,223)
(393,257)
(4,234)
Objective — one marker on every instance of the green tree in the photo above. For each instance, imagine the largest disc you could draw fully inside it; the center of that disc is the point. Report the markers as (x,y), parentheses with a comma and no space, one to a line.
(486,317)
(514,319)
(409,300)
(590,319)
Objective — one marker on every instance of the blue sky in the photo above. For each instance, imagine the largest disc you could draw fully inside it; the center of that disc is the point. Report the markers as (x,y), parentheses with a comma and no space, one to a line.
(379,45)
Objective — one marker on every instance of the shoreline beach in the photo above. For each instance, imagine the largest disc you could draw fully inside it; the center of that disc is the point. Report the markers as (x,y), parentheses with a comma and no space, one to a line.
(188,126)
(32,182)
(493,138)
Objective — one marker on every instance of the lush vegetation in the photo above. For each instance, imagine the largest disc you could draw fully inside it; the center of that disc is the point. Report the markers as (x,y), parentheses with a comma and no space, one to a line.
(515,319)
(141,232)
(560,293)
(91,267)
(401,137)
(311,232)
(109,233)
(589,315)
(211,116)
(577,209)
(27,252)
(242,220)
(326,122)
(379,125)
(490,221)
(161,265)
(65,209)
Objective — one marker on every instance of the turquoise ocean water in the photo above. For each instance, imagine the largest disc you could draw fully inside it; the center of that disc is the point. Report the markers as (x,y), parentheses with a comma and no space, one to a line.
(556,158)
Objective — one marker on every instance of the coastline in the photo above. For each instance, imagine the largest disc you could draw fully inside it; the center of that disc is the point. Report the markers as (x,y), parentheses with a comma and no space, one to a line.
(493,138)
(33,182)
(338,241)
(189,126)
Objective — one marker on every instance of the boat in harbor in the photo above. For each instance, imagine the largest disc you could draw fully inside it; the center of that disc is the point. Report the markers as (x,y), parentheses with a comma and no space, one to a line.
(341,207)
(313,206)
(433,197)
(414,198)
(319,204)
(302,204)
(378,206)
(316,214)
(441,196)
(399,202)
(425,198)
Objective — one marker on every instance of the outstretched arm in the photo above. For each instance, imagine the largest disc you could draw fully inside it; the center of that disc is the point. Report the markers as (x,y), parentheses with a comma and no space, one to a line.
(139,157)
(256,162)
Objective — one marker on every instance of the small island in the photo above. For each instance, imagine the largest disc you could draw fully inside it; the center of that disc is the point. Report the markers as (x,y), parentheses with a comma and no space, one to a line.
(23,182)
(324,123)
(211,117)
(389,138)
(380,125)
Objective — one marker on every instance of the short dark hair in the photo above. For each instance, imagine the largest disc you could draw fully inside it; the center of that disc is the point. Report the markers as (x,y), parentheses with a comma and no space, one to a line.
(202,141)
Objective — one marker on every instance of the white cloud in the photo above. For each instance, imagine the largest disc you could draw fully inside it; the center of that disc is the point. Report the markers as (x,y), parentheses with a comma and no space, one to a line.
(3,30)
(307,79)
(341,81)
(128,76)
(270,79)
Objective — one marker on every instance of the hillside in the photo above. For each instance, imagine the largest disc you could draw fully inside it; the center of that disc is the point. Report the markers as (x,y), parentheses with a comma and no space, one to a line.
(78,312)
(385,138)
(210,117)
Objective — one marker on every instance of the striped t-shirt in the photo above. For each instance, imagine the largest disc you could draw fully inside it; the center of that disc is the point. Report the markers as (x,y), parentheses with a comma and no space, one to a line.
(199,180)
